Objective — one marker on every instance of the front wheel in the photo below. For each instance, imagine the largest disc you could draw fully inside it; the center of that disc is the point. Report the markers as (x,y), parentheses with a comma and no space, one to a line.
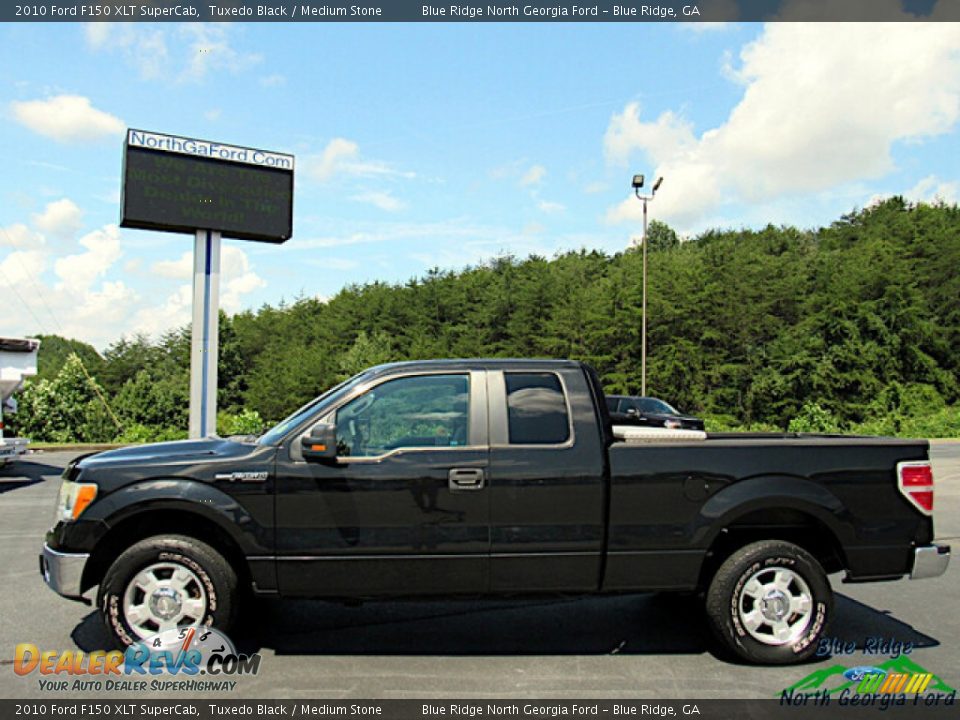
(165,582)
(770,603)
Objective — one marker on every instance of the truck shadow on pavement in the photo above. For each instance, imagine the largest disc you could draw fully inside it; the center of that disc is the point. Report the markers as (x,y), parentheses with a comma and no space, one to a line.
(23,473)
(649,624)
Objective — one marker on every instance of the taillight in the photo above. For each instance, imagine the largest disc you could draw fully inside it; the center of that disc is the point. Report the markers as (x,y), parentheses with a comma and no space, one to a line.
(915,480)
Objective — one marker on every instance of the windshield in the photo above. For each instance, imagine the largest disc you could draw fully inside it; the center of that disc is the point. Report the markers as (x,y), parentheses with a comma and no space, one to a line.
(653,405)
(278,431)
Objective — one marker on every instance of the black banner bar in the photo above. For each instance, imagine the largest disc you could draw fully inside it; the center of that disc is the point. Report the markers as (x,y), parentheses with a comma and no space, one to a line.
(483,11)
(471,709)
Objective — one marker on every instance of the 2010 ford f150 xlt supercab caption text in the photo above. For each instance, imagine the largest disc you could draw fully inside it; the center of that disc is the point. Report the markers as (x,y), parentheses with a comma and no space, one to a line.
(492,477)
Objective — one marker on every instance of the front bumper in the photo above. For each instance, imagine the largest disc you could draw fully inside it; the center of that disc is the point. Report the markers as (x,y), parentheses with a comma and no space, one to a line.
(63,572)
(930,561)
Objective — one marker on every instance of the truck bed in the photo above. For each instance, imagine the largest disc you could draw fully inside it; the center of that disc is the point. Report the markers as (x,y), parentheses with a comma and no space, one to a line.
(669,499)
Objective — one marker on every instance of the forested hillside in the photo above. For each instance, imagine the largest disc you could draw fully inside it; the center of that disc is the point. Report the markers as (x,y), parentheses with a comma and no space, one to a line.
(852,327)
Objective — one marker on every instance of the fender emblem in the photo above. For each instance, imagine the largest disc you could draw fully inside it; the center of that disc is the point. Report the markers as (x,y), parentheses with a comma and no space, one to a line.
(243,476)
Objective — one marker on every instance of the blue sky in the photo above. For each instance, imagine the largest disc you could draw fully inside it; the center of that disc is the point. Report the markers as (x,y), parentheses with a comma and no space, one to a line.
(445,145)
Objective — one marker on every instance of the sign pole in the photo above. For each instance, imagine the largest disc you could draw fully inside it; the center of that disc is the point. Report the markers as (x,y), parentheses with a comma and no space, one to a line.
(204,338)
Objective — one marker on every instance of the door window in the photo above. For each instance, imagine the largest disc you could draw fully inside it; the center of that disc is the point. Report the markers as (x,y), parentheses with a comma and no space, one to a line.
(536,409)
(409,412)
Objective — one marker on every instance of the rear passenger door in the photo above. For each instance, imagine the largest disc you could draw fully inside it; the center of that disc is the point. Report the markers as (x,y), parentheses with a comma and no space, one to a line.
(547,491)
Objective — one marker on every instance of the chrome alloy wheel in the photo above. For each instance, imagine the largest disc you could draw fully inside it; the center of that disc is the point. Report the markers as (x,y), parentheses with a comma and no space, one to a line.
(775,606)
(163,596)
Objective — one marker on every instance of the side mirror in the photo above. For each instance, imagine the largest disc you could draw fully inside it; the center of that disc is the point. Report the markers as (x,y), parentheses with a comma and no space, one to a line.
(633,412)
(320,443)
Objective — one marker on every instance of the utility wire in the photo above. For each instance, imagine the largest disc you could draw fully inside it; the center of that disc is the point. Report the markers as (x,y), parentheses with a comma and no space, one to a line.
(39,293)
(96,389)
(20,298)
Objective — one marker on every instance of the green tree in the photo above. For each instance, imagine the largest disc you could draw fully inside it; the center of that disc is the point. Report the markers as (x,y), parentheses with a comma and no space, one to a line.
(65,408)
(661,236)
(365,352)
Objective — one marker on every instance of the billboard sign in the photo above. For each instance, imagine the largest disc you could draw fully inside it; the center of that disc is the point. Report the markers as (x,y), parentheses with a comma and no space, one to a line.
(180,184)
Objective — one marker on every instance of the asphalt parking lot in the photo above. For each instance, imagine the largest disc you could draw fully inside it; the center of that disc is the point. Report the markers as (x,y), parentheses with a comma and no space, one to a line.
(643,646)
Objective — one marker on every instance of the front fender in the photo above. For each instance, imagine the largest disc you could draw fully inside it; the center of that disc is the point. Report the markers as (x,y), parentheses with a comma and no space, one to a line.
(203,500)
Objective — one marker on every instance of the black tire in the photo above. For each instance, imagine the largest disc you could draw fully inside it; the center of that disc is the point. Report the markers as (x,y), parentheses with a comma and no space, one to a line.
(212,572)
(728,596)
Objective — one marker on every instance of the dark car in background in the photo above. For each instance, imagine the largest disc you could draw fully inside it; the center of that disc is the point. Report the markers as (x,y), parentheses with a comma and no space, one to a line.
(649,412)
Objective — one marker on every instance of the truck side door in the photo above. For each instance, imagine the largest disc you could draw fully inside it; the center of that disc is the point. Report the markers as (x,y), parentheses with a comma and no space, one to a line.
(404,509)
(547,484)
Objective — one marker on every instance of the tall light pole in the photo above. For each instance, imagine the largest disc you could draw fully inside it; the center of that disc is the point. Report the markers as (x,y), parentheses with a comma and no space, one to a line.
(637,186)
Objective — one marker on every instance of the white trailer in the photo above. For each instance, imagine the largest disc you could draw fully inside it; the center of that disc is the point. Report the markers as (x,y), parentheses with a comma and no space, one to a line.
(18,360)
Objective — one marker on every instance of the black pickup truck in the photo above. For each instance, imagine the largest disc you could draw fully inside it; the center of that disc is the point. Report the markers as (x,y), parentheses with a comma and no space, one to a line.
(489,478)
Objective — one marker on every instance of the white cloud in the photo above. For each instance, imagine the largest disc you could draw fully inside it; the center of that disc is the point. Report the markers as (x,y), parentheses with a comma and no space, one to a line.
(21,267)
(533,176)
(97,33)
(80,271)
(66,118)
(454,242)
(61,217)
(174,311)
(88,288)
(143,46)
(19,235)
(476,252)
(932,189)
(324,166)
(383,200)
(184,53)
(209,49)
(550,207)
(111,197)
(454,230)
(667,136)
(104,307)
(236,279)
(179,269)
(823,104)
(213,114)
(75,305)
(342,157)
(275,80)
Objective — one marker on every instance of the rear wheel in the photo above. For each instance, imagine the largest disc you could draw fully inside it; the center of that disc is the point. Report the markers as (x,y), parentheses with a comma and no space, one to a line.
(165,582)
(770,603)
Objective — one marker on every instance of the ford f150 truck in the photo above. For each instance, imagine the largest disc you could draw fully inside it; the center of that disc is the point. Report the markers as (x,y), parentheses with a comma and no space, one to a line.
(490,478)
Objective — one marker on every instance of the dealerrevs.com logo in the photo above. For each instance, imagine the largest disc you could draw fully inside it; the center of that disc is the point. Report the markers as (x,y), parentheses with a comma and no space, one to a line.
(182,659)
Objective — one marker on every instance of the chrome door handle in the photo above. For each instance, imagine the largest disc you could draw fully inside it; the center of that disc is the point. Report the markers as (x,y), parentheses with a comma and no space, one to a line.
(465,479)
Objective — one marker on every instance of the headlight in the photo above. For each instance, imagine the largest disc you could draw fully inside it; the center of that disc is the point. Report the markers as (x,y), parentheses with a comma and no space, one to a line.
(73,499)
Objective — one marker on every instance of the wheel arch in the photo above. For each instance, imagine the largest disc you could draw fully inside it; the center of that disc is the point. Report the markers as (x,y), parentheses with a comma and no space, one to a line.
(789,508)
(151,522)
